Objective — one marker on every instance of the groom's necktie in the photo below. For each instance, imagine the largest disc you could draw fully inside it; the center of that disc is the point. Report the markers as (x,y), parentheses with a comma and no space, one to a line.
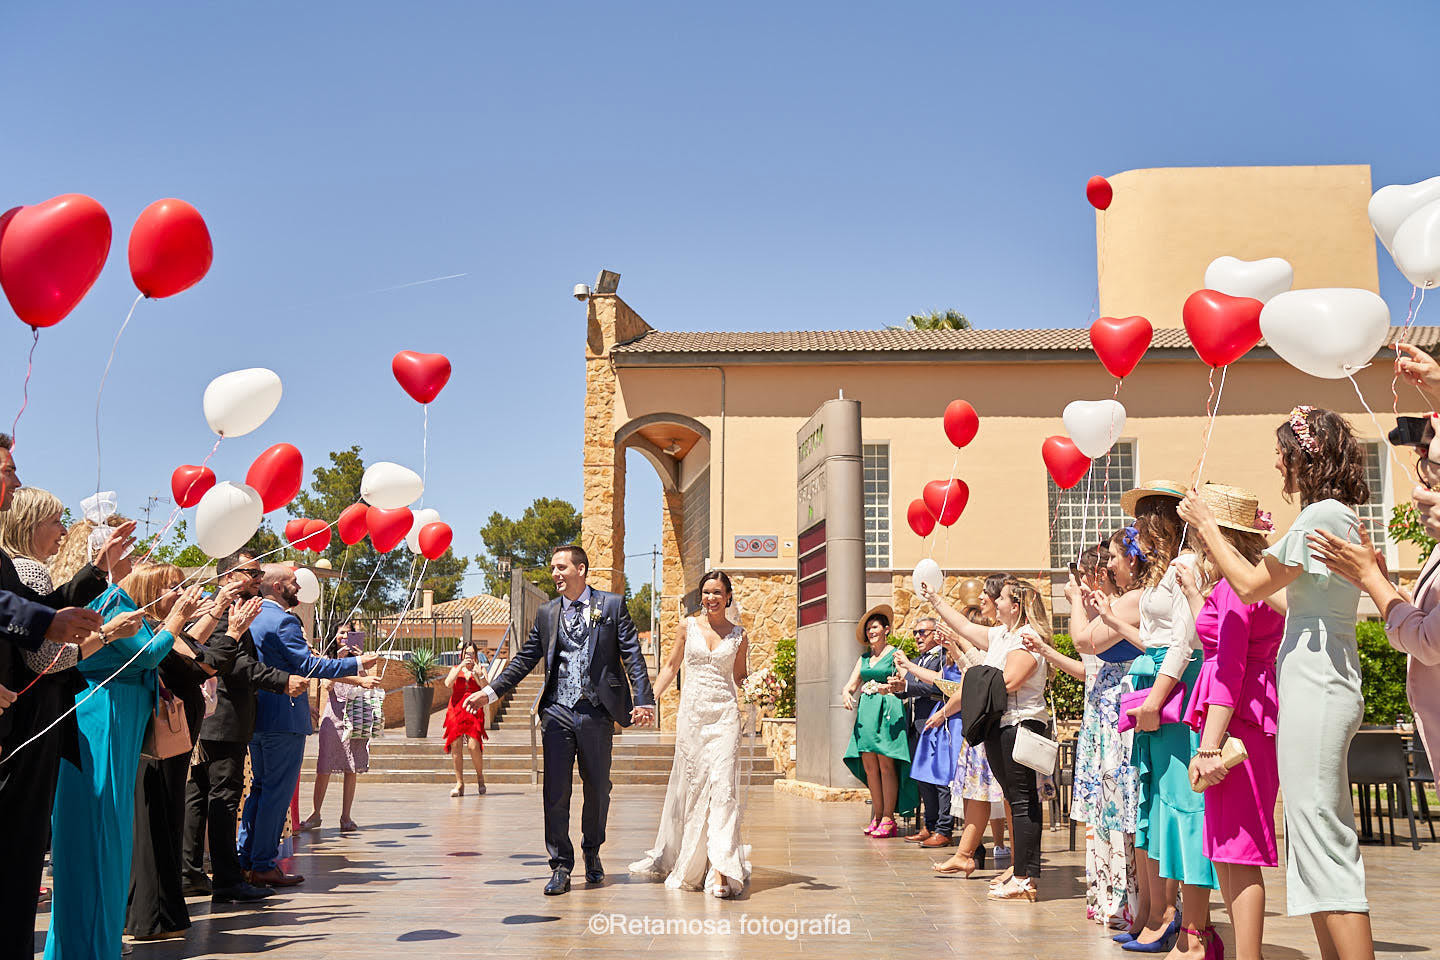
(575,657)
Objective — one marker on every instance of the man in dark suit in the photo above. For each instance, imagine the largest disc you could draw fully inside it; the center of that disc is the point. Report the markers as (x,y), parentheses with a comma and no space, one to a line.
(922,698)
(217,775)
(590,647)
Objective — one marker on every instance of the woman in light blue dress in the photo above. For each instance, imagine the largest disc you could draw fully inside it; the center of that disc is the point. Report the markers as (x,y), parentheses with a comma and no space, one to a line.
(94,819)
(1317,673)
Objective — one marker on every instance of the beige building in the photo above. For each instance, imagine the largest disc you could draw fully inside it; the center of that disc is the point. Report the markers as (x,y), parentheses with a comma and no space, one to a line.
(717,413)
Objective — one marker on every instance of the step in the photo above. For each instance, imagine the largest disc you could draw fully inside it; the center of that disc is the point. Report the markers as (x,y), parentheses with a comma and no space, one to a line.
(636,778)
(621,748)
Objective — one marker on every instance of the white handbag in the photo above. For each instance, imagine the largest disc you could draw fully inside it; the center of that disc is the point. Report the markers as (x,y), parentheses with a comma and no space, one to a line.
(1037,752)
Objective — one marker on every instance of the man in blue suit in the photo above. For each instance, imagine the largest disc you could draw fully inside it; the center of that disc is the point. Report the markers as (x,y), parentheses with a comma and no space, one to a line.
(281,725)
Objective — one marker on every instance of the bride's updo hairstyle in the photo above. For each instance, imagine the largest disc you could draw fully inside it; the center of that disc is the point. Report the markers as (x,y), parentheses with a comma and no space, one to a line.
(724,579)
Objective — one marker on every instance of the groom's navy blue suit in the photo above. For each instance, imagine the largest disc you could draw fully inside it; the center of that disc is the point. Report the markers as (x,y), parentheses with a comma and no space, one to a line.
(590,649)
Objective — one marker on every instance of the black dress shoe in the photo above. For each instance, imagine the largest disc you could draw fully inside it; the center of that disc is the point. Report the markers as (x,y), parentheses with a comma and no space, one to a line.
(196,885)
(594,869)
(559,883)
(242,892)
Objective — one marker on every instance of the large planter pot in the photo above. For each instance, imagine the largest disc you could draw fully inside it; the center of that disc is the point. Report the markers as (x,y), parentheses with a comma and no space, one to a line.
(418,701)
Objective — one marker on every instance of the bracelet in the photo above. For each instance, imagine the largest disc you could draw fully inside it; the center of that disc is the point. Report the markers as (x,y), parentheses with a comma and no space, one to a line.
(1208,754)
(104,640)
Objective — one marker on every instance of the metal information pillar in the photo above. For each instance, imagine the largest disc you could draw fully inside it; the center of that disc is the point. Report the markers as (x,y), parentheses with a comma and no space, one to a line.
(830,590)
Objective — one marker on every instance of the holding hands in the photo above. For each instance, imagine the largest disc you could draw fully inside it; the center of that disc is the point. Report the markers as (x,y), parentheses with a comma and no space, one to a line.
(644,716)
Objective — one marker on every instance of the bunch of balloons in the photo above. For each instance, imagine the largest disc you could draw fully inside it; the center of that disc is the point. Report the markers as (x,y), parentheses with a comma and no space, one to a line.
(1406,218)
(943,501)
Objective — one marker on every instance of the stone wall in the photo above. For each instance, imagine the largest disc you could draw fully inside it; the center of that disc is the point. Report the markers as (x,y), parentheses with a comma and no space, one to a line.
(909,607)
(779,737)
(767,612)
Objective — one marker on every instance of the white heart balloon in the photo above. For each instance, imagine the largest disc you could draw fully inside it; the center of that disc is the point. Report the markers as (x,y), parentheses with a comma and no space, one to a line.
(1417,246)
(236,403)
(1329,332)
(1094,425)
(226,517)
(927,572)
(422,517)
(309,585)
(390,486)
(1258,279)
(1391,206)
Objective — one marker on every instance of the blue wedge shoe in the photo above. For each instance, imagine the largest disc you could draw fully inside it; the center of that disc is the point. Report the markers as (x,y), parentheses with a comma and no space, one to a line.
(1123,938)
(1163,945)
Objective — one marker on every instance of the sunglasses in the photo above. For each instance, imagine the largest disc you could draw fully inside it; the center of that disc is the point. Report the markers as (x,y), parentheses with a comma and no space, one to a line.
(923,633)
(250,572)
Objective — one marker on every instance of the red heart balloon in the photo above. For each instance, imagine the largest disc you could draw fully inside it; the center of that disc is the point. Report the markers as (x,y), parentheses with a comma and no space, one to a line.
(946,500)
(189,483)
(352,524)
(315,536)
(1222,328)
(388,527)
(961,422)
(295,531)
(1067,465)
(276,475)
(1121,342)
(51,254)
(170,248)
(423,375)
(1099,192)
(435,540)
(922,521)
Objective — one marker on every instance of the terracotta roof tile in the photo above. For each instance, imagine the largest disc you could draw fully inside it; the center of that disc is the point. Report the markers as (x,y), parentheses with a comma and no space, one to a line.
(880,341)
(482,608)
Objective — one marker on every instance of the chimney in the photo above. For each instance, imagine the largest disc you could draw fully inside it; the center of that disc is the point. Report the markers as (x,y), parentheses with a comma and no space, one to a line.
(427,602)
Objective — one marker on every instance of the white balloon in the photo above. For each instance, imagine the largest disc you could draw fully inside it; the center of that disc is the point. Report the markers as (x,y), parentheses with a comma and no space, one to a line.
(309,585)
(1391,206)
(1416,247)
(236,403)
(927,572)
(1094,425)
(226,517)
(390,486)
(1259,279)
(422,517)
(1328,333)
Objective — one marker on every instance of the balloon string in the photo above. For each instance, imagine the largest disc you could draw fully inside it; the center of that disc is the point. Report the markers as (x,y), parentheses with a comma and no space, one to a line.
(1212,412)
(409,604)
(105,376)
(175,511)
(953,464)
(25,388)
(1399,339)
(1394,460)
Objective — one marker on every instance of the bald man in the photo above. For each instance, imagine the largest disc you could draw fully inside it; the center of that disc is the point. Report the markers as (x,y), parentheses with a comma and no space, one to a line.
(282,723)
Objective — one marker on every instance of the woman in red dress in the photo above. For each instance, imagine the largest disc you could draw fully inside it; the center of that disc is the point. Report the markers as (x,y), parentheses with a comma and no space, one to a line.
(461,724)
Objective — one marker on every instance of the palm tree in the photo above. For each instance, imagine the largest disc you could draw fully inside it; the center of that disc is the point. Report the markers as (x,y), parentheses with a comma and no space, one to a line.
(935,320)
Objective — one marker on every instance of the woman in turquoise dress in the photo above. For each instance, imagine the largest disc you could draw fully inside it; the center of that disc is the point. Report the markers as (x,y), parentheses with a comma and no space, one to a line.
(94,821)
(1317,673)
(879,748)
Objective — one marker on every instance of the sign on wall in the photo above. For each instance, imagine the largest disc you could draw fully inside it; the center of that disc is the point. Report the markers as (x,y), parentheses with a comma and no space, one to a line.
(767,545)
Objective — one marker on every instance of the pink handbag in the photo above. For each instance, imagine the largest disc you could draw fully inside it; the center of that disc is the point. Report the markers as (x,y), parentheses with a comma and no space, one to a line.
(1171,710)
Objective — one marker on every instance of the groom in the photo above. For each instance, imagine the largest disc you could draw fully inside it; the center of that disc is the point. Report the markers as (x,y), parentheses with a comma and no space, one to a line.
(589,644)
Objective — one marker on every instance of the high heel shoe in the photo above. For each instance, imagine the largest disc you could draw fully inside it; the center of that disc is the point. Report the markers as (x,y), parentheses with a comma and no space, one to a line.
(1214,946)
(1016,889)
(884,832)
(873,824)
(1163,945)
(960,865)
(459,791)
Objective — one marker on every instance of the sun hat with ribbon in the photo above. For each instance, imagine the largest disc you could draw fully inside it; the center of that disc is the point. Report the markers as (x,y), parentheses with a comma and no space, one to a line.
(1154,488)
(1236,508)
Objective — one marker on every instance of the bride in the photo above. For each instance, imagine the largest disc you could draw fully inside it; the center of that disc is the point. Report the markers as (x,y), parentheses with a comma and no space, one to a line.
(698,843)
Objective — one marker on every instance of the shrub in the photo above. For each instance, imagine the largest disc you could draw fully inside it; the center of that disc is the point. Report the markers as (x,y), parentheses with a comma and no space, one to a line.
(1382,675)
(421,664)
(1067,693)
(784,666)
(908,645)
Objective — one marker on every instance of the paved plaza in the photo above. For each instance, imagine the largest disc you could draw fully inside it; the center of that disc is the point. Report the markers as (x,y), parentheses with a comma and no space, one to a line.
(430,876)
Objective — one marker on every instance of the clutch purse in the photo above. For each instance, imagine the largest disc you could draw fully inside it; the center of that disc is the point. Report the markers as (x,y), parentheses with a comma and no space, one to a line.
(948,687)
(1170,710)
(1232,754)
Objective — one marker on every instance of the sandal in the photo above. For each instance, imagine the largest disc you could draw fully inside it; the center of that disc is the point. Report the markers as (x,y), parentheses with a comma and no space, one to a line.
(310,823)
(459,791)
(884,832)
(953,868)
(1014,890)
(480,790)
(347,825)
(1003,878)
(874,823)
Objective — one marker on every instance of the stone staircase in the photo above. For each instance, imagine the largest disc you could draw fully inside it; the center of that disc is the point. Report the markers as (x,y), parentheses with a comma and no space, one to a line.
(640,758)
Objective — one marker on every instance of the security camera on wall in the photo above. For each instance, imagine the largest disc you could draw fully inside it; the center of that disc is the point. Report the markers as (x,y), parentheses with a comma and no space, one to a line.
(581,292)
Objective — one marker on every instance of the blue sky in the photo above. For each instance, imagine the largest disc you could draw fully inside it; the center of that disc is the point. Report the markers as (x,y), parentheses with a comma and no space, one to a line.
(744,166)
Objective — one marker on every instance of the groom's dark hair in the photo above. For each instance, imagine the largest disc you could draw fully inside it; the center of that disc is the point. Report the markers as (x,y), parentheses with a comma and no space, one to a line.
(578,556)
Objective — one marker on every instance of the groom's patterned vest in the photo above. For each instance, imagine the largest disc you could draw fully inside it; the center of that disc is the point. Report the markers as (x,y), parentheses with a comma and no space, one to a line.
(572,659)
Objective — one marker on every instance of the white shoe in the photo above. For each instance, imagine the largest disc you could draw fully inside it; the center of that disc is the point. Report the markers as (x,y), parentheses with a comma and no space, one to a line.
(458,791)
(1000,853)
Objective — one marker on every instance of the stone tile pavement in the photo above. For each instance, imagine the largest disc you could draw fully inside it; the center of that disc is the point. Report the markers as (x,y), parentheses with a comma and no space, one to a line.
(430,876)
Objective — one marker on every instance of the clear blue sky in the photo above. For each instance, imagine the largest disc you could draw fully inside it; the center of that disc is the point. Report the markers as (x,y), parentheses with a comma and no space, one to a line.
(745,166)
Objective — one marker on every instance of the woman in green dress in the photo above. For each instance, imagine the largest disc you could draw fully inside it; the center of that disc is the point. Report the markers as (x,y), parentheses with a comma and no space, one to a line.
(879,748)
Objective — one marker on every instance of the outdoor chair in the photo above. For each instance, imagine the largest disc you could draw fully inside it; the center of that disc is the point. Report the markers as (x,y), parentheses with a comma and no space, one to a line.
(1376,760)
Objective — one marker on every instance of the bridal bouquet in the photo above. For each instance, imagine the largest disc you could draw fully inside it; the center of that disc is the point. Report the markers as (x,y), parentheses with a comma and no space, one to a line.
(874,686)
(761,688)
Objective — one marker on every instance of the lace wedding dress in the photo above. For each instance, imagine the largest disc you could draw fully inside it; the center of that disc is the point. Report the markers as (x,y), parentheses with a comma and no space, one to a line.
(699,835)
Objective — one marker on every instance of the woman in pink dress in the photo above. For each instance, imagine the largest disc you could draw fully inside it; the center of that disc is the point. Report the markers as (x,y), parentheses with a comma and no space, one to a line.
(461,724)
(1235,697)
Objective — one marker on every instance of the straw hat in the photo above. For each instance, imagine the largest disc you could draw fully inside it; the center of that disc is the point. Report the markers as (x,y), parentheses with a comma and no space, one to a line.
(1235,508)
(1155,488)
(882,608)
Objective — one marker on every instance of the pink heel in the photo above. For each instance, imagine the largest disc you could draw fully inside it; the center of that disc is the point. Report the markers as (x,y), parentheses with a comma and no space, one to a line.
(870,830)
(884,832)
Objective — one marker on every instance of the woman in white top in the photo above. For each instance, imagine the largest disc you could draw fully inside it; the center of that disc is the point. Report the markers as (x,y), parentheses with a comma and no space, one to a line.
(1021,614)
(1171,819)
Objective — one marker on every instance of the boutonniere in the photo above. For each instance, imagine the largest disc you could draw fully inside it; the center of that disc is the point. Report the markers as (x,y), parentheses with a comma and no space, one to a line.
(595,615)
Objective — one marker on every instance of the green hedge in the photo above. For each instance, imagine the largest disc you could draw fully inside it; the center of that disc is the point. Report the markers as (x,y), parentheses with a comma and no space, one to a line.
(1382,675)
(784,667)
(1067,693)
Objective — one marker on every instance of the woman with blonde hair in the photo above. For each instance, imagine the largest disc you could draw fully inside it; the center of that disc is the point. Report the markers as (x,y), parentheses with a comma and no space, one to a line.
(94,818)
(1022,614)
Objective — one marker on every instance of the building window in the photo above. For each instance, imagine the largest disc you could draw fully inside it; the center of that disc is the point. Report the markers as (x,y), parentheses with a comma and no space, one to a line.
(877,506)
(1376,513)
(1090,510)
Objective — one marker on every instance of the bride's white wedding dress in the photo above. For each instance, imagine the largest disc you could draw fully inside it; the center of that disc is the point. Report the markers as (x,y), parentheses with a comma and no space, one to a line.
(699,834)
